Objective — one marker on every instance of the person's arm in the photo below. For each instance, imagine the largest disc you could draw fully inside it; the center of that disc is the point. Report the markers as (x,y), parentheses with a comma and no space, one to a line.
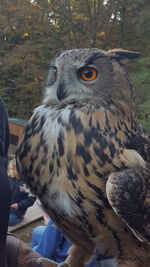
(50,240)
(26,203)
(12,183)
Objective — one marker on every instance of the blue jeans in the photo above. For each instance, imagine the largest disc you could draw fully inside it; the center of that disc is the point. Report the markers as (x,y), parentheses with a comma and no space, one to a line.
(13,219)
(36,235)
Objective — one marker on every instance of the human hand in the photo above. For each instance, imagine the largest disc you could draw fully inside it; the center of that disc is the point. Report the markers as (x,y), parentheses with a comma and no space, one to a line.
(14,206)
(22,188)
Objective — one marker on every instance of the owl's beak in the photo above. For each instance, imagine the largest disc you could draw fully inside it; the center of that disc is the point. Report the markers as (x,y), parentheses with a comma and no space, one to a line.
(61,93)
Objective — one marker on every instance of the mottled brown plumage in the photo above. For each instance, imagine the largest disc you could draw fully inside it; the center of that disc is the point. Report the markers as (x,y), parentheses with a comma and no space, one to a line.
(80,151)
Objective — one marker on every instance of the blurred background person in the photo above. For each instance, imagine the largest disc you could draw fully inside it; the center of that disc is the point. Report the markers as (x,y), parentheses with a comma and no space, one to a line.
(20,199)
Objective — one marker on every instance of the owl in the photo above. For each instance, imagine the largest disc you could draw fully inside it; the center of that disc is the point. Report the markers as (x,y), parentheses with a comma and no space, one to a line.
(85,156)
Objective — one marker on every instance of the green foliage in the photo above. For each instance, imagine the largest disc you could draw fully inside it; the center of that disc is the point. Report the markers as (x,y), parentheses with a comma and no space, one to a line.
(141,79)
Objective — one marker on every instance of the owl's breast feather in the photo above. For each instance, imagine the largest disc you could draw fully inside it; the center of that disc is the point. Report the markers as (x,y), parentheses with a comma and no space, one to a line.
(68,151)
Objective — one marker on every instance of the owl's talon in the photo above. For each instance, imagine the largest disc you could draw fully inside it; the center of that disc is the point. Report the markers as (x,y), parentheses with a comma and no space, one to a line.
(43,262)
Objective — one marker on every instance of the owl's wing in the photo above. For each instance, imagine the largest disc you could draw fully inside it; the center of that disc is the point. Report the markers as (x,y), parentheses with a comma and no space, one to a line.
(128,192)
(141,143)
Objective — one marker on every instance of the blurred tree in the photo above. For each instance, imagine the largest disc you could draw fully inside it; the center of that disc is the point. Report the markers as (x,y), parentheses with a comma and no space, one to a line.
(25,45)
(131,24)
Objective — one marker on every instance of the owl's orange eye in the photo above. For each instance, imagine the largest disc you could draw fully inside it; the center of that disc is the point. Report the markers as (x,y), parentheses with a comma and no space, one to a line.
(88,74)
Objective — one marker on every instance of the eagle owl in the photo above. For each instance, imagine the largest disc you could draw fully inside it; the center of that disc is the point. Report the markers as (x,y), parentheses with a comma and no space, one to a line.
(86,157)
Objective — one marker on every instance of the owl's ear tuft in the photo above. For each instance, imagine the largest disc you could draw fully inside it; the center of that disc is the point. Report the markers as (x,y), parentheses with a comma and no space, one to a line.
(123,55)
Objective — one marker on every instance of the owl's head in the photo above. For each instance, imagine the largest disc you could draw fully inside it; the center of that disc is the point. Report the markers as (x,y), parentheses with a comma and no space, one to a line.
(89,74)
